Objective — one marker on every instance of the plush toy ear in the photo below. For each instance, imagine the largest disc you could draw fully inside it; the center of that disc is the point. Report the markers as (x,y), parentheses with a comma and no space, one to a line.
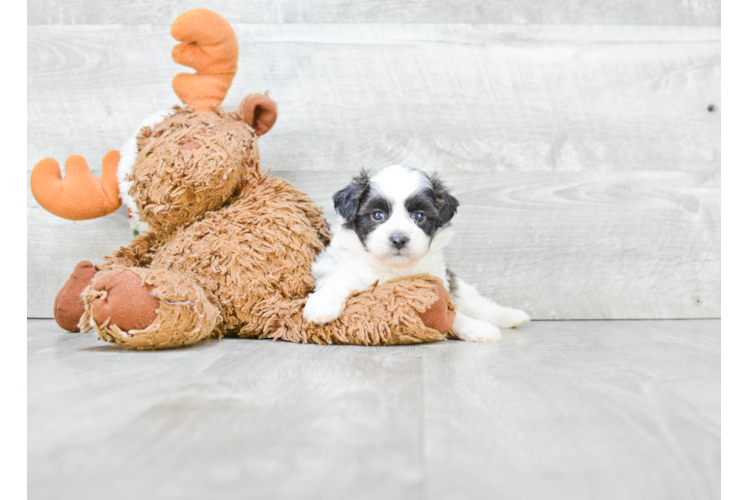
(348,199)
(259,111)
(446,204)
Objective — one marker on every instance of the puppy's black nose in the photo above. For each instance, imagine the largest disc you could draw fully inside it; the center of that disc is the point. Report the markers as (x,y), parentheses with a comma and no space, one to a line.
(399,240)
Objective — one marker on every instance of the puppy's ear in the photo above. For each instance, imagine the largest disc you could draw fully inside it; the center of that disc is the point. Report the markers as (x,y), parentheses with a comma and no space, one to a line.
(446,204)
(348,199)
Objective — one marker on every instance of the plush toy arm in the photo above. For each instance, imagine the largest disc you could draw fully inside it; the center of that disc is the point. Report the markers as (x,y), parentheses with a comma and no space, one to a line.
(313,212)
(404,311)
(81,195)
(139,253)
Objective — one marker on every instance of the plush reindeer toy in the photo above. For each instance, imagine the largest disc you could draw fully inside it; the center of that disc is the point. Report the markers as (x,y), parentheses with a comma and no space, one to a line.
(221,248)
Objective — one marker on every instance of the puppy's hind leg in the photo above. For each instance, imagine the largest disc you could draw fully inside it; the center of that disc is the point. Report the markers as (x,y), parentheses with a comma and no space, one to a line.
(470,302)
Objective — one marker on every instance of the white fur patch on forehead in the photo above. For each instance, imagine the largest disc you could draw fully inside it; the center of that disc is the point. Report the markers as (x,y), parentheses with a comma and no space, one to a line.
(397,183)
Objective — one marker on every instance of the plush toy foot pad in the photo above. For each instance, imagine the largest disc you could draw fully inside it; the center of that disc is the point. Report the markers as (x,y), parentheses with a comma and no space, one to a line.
(69,305)
(128,303)
(439,316)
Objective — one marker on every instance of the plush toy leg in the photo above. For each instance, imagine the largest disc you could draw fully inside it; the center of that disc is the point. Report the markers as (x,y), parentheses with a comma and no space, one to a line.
(141,308)
(404,311)
(68,303)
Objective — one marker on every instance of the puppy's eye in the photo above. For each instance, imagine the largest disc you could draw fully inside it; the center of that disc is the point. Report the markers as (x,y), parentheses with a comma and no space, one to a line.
(419,217)
(378,216)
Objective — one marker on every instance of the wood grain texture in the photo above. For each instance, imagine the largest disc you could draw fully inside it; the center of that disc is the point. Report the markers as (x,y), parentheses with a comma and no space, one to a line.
(560,245)
(454,97)
(584,156)
(562,410)
(675,12)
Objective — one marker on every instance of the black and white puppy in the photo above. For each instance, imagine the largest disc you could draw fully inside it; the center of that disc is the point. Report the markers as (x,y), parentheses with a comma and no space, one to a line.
(394,224)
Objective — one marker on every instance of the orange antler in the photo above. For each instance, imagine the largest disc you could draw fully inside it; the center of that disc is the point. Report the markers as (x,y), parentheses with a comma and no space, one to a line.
(81,195)
(208,45)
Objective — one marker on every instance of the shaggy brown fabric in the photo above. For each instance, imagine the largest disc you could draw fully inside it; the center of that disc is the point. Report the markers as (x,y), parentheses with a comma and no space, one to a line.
(139,253)
(176,186)
(69,305)
(378,315)
(260,245)
(184,314)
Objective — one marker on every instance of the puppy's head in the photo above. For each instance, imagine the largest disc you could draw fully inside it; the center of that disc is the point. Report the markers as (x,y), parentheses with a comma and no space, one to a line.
(395,212)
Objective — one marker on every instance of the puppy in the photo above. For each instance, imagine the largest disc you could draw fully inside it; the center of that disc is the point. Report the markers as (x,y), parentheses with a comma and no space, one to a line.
(394,224)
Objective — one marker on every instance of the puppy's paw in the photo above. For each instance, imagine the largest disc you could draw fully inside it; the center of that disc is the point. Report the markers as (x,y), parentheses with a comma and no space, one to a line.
(476,330)
(322,308)
(509,318)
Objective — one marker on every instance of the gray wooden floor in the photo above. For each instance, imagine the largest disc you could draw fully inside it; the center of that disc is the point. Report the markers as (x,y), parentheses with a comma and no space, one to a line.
(616,409)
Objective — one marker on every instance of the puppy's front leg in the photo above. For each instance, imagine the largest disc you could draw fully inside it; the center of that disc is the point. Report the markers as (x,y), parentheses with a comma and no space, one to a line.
(325,304)
(472,303)
(474,330)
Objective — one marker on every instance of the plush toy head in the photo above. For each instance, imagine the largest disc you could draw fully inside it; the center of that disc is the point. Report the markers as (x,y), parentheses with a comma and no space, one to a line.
(207,155)
(202,149)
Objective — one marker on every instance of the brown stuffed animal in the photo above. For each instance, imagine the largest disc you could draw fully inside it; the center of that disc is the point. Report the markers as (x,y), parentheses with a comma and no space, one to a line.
(225,249)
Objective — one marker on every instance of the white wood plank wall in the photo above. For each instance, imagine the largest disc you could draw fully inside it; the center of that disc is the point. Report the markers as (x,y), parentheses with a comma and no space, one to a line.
(579,140)
(661,12)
